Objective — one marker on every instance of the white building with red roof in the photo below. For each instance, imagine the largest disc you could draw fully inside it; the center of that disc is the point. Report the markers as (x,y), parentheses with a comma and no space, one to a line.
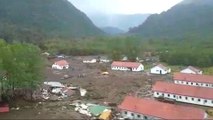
(138,108)
(193,79)
(183,93)
(160,69)
(60,65)
(127,66)
(192,70)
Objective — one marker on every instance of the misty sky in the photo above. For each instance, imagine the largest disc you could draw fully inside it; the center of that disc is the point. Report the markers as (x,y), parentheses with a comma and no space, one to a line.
(123,6)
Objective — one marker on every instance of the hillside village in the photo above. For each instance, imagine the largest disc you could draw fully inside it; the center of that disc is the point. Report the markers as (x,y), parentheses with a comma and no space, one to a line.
(107,89)
(56,64)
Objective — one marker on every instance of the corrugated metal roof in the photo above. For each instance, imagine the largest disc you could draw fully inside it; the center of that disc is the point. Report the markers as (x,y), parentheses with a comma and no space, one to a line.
(161,110)
(193,77)
(185,90)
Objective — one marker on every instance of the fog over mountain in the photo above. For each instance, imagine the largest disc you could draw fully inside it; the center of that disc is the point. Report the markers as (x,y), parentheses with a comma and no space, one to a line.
(120,21)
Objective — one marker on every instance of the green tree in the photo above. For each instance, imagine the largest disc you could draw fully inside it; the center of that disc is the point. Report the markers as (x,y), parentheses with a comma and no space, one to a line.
(22,65)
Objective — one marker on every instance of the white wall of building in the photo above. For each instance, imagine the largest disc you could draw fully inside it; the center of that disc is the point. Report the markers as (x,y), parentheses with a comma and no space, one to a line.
(158,70)
(55,66)
(189,71)
(140,68)
(132,115)
(208,85)
(90,61)
(185,99)
(120,68)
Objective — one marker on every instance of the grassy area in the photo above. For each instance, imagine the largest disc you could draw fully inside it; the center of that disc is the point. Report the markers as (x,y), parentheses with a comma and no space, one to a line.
(176,68)
(208,71)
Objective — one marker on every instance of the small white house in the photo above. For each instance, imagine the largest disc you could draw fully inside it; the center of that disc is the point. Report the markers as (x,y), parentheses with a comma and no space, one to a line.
(160,69)
(89,61)
(127,66)
(192,70)
(60,65)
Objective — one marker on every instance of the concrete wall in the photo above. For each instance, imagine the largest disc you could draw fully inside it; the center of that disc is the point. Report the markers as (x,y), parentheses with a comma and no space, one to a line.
(158,70)
(185,99)
(120,68)
(132,115)
(208,85)
(140,68)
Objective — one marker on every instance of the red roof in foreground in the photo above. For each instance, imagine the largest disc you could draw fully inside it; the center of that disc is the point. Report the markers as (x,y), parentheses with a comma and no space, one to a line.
(193,77)
(159,109)
(62,63)
(126,64)
(4,107)
(185,90)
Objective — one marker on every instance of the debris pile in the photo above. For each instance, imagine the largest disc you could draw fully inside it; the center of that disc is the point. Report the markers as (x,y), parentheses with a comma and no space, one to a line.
(145,91)
(93,110)
(57,91)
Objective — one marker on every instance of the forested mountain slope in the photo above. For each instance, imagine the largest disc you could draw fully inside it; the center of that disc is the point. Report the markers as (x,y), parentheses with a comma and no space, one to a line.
(188,19)
(29,20)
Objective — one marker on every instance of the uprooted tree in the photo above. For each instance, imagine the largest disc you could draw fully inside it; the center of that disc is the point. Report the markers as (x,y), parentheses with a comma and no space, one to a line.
(20,67)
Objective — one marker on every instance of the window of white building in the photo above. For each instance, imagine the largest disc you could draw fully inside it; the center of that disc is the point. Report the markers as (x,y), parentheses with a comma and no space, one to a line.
(125,112)
(180,97)
(139,116)
(132,114)
(168,95)
(192,99)
(186,98)
(198,100)
(157,93)
(205,101)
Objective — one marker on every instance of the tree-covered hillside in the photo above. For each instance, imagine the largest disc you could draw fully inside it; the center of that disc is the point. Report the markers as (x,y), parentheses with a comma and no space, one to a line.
(30,20)
(188,19)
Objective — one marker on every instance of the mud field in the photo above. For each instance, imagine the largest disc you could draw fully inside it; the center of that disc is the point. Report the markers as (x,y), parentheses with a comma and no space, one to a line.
(100,88)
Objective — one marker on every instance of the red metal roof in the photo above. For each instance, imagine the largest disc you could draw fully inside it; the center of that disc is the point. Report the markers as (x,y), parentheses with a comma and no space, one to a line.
(4,107)
(126,64)
(159,109)
(185,90)
(62,63)
(193,78)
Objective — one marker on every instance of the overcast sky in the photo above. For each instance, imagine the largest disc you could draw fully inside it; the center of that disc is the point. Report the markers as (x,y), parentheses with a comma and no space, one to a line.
(123,6)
